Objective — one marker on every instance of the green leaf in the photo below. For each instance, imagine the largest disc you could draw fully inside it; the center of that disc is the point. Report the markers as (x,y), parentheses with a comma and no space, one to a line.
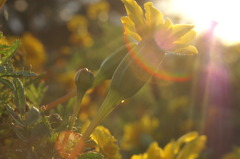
(8,84)
(9,51)
(18,74)
(20,133)
(19,94)
(91,155)
(35,80)
(2,69)
(3,47)
(15,116)
(36,93)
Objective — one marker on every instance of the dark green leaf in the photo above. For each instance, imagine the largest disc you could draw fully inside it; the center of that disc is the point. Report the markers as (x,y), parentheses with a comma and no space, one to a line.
(18,74)
(2,69)
(37,79)
(91,155)
(15,116)
(8,84)
(20,133)
(20,100)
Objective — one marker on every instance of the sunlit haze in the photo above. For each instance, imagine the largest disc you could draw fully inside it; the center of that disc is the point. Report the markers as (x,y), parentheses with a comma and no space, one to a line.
(203,12)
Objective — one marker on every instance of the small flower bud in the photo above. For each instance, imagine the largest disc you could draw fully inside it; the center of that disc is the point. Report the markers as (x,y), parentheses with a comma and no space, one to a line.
(84,80)
(55,120)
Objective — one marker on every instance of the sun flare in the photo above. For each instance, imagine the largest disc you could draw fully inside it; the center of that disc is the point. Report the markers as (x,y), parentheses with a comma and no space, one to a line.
(203,12)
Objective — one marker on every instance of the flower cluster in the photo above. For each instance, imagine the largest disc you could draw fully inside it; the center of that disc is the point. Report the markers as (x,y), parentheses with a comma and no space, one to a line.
(188,146)
(169,37)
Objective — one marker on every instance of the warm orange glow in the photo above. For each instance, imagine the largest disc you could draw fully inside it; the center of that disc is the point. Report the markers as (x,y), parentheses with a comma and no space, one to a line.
(65,143)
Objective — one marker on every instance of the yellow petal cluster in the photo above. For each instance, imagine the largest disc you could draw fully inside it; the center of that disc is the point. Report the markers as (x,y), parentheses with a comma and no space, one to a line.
(78,25)
(98,10)
(169,37)
(233,155)
(188,146)
(34,51)
(3,40)
(134,131)
(107,144)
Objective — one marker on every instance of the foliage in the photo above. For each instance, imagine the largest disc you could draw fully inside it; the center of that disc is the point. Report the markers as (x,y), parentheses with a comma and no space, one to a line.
(156,106)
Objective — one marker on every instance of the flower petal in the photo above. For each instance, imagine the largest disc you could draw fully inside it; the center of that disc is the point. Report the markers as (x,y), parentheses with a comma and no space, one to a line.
(187,38)
(154,151)
(180,30)
(189,50)
(154,17)
(135,13)
(168,23)
(129,28)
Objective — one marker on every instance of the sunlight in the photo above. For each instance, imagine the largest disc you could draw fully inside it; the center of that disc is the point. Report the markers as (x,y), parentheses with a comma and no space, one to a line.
(203,12)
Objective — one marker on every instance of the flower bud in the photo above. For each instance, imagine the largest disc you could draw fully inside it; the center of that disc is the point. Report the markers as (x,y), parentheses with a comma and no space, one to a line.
(109,65)
(132,73)
(136,69)
(84,80)
(55,120)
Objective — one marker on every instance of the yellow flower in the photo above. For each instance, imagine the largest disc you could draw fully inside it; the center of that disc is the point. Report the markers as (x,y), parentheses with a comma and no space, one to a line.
(98,10)
(156,37)
(78,23)
(133,131)
(168,37)
(67,79)
(233,155)
(34,51)
(188,146)
(106,143)
(3,40)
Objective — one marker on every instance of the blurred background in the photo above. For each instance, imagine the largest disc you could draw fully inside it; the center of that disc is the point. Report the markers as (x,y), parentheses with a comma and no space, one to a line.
(201,92)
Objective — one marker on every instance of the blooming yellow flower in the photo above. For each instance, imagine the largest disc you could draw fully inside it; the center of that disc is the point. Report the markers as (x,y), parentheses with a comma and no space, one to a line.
(188,146)
(168,37)
(34,51)
(233,155)
(98,10)
(106,143)
(156,37)
(78,25)
(134,131)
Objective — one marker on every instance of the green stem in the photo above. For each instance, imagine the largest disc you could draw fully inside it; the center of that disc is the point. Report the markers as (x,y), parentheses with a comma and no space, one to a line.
(76,109)
(110,102)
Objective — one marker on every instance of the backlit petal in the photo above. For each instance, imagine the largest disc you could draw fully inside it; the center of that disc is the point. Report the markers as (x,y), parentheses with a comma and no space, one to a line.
(168,23)
(129,28)
(180,30)
(154,17)
(187,38)
(135,13)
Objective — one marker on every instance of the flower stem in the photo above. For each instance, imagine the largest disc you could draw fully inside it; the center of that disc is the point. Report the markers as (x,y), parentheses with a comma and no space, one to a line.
(110,102)
(76,109)
(60,100)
